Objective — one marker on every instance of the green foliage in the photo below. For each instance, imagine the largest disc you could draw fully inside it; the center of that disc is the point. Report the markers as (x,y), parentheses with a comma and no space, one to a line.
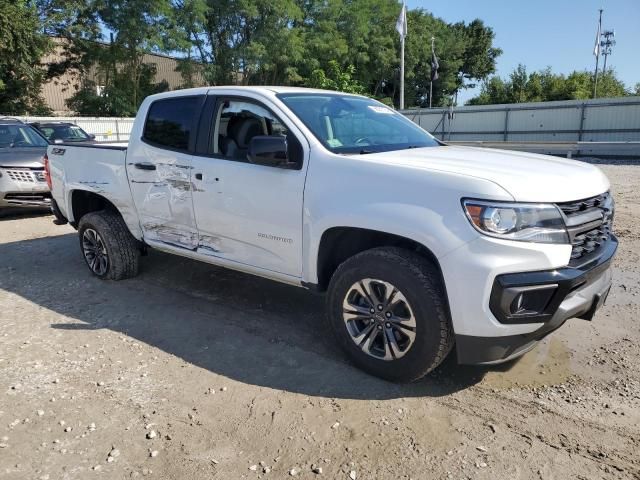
(22,47)
(336,79)
(315,42)
(545,86)
(349,45)
(116,98)
(136,26)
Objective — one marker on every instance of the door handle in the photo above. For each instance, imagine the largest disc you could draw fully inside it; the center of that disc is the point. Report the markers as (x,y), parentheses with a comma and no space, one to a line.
(144,166)
(198,176)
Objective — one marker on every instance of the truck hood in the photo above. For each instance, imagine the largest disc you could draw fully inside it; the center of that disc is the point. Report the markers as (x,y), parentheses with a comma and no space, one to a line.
(30,157)
(528,177)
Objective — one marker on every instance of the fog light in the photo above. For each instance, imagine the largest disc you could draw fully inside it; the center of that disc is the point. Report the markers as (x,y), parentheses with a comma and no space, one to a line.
(530,300)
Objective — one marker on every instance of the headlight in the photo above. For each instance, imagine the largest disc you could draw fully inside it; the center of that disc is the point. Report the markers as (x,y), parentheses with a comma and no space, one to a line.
(527,222)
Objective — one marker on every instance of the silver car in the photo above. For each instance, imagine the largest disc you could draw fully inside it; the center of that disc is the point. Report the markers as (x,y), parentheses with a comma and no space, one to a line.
(22,180)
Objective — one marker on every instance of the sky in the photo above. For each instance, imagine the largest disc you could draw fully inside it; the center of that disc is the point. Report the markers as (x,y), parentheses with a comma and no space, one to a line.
(556,33)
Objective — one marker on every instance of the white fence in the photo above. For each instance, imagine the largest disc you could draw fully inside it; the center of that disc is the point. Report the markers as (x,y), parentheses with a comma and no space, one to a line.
(106,129)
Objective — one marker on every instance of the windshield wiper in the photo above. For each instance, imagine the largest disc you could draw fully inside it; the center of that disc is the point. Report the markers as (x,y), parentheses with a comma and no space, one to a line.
(364,151)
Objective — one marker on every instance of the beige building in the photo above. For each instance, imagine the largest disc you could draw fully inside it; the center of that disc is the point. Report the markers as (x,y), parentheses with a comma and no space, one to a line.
(58,90)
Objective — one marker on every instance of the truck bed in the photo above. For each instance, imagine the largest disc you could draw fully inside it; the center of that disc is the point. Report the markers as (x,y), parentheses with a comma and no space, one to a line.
(94,168)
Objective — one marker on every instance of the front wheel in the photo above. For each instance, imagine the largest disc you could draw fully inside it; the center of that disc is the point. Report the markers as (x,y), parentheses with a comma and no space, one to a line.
(108,247)
(388,310)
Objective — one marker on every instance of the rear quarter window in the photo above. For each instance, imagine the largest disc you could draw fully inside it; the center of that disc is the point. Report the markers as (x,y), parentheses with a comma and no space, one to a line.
(171,122)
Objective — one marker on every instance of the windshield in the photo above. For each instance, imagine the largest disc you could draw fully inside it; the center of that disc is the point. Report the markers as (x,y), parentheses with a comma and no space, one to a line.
(15,136)
(350,124)
(67,133)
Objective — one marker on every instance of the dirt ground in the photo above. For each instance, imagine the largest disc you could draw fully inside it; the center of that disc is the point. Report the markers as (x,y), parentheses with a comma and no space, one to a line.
(194,372)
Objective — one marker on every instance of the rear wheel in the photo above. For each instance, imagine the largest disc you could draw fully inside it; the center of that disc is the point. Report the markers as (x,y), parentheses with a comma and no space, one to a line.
(388,310)
(107,246)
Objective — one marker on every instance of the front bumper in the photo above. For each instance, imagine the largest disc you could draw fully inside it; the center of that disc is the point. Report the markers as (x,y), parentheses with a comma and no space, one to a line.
(31,200)
(576,292)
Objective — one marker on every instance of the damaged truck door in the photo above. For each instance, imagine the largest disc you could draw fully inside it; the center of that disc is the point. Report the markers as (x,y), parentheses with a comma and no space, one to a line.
(160,168)
(247,212)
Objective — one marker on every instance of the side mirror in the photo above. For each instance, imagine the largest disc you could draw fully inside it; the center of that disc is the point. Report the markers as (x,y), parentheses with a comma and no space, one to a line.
(92,136)
(270,151)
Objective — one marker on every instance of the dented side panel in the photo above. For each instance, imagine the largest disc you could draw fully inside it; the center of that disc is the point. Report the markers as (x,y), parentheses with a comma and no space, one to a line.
(163,196)
(101,170)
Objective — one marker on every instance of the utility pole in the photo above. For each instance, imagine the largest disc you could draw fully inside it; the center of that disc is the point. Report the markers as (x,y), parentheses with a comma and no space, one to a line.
(606,46)
(596,52)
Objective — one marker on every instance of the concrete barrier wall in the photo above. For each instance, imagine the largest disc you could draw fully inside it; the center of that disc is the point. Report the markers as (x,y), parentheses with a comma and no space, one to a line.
(601,120)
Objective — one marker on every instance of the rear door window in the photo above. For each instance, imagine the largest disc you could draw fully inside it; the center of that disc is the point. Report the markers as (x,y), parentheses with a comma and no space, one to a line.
(171,123)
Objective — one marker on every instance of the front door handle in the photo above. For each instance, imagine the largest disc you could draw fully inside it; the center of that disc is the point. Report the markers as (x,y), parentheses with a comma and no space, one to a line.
(198,176)
(144,166)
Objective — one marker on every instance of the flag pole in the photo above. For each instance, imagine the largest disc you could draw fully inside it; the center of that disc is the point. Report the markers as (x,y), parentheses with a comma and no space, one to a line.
(431,80)
(402,72)
(597,52)
(401,28)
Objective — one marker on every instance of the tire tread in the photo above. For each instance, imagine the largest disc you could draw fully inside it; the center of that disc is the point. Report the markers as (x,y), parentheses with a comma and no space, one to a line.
(428,280)
(122,247)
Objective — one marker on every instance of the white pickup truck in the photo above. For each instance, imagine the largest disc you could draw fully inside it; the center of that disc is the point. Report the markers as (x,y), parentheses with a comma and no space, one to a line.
(420,246)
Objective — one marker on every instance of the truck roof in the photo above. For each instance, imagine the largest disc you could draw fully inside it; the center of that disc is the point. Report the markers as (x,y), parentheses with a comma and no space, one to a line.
(264,90)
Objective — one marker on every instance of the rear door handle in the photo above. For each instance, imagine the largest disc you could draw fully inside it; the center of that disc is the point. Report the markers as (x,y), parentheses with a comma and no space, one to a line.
(144,166)
(198,176)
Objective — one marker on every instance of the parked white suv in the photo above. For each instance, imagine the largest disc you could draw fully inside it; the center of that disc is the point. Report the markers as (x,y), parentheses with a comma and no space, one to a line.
(421,246)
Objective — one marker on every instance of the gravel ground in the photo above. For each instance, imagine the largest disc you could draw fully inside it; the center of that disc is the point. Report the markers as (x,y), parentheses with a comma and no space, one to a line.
(190,371)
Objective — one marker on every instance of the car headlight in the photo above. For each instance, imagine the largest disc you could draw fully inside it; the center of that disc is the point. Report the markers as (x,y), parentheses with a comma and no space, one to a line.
(527,222)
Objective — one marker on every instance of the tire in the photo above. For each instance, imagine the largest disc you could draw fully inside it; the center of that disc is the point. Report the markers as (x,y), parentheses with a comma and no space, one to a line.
(418,305)
(112,240)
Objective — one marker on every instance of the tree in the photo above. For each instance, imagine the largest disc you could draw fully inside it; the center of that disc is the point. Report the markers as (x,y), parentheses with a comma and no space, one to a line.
(242,41)
(545,86)
(22,46)
(296,42)
(345,44)
(336,79)
(136,27)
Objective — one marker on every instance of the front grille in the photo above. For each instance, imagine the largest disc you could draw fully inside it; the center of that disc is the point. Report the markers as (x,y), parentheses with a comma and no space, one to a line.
(589,223)
(590,241)
(26,175)
(20,175)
